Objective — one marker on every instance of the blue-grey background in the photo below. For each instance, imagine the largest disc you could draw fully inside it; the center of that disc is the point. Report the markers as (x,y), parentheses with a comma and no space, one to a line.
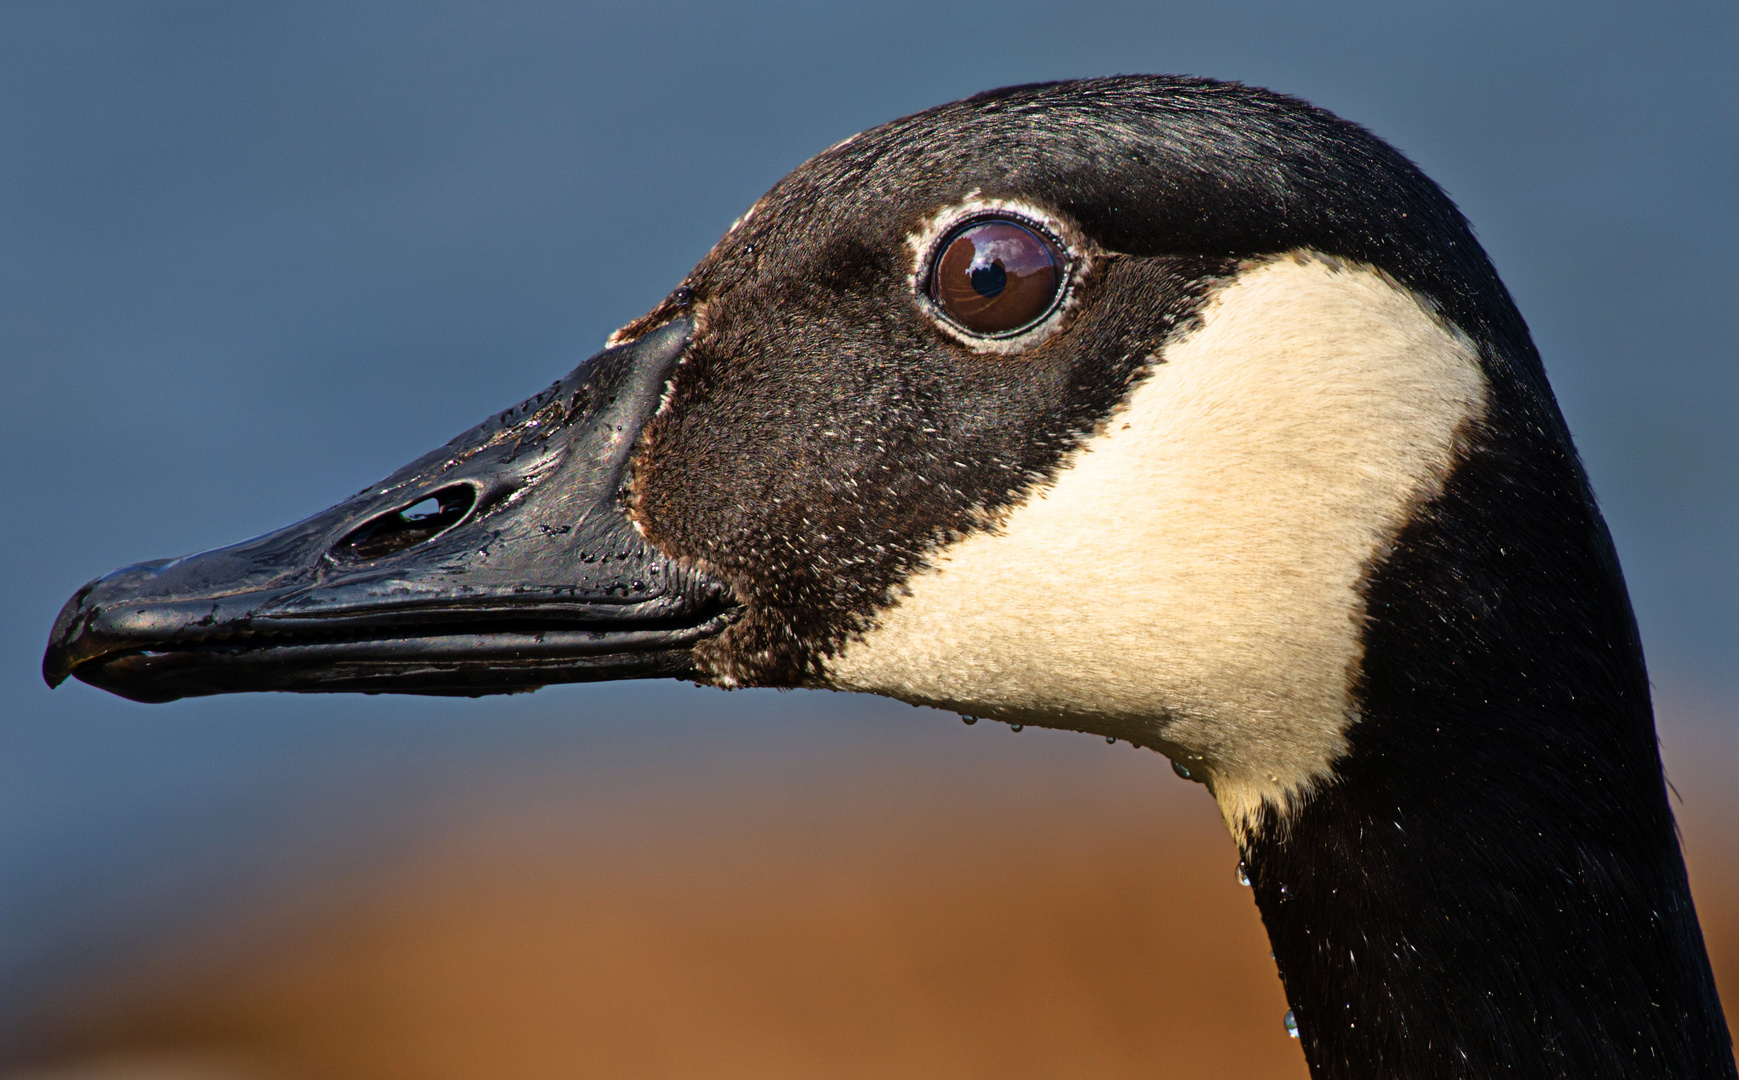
(253,257)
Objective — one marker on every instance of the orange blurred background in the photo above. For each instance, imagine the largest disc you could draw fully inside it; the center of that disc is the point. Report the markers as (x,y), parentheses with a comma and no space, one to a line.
(986,905)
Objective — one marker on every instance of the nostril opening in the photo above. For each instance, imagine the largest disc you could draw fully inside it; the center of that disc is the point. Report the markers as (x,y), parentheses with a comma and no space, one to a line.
(394,531)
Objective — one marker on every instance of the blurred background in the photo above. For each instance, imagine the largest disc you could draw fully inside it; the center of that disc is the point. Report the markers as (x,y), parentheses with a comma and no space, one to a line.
(253,257)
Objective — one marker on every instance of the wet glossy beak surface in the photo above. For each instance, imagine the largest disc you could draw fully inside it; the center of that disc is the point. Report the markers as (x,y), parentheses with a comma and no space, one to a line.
(503,561)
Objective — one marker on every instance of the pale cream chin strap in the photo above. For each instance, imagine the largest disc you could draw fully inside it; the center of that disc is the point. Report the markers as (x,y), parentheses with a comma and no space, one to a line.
(1193,570)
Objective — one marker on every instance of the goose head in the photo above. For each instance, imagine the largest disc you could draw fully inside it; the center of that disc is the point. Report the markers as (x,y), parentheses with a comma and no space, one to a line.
(1174,411)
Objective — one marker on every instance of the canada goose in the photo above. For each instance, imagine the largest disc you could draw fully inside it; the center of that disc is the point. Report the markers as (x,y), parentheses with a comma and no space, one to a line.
(1175,411)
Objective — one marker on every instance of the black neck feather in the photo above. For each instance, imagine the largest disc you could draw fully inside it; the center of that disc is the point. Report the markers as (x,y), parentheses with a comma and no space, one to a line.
(1492,886)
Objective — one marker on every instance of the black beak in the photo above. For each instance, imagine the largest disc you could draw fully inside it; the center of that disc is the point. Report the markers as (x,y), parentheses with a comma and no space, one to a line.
(503,561)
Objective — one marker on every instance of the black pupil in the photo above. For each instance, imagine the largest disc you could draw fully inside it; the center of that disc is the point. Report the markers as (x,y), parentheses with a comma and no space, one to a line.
(989,280)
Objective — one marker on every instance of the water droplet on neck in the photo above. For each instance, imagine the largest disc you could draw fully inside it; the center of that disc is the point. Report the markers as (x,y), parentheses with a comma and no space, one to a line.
(1111,740)
(968,719)
(1181,769)
(1291,1024)
(1017,727)
(1243,874)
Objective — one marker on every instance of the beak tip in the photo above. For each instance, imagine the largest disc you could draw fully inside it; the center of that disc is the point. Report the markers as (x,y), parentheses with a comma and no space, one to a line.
(64,653)
(54,669)
(58,660)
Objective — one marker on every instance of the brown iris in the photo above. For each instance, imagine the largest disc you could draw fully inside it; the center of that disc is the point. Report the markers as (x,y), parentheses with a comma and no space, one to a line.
(996,276)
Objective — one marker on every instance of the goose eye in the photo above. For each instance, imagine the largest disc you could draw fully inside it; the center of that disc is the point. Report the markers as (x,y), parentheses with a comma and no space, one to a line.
(995,277)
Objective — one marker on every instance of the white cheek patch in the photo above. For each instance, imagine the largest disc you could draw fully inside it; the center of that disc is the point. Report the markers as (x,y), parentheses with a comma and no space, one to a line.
(1192,575)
